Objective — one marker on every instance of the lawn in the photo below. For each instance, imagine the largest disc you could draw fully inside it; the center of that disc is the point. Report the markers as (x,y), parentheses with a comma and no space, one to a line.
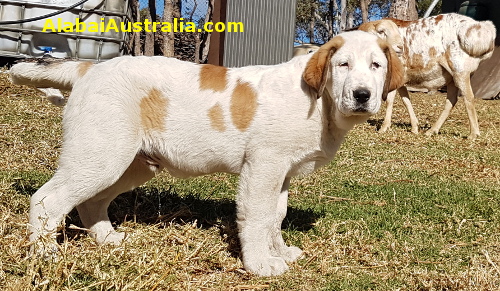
(393,211)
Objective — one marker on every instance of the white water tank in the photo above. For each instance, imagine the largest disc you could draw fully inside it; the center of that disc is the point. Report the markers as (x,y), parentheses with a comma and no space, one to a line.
(28,40)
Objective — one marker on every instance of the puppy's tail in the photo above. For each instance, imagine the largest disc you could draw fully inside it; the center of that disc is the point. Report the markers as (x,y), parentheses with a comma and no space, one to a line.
(49,73)
(477,38)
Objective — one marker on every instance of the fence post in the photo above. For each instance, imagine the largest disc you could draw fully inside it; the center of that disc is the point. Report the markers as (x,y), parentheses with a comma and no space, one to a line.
(216,51)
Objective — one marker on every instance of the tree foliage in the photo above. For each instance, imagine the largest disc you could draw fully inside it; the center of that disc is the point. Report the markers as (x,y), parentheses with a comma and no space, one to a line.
(319,20)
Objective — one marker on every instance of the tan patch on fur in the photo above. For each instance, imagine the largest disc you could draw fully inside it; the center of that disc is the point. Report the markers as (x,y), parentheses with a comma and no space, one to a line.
(83,68)
(369,26)
(473,29)
(400,23)
(213,78)
(447,56)
(316,72)
(432,52)
(154,111)
(438,18)
(216,116)
(243,105)
(417,62)
(395,71)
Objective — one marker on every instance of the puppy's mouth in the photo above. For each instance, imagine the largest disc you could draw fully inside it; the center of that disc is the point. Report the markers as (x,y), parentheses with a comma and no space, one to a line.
(358,111)
(361,109)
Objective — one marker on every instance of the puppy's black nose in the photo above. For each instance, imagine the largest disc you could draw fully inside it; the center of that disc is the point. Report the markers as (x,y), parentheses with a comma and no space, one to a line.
(361,95)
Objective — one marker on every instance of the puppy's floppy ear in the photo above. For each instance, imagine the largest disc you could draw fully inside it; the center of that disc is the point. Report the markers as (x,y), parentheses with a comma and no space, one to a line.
(317,68)
(395,71)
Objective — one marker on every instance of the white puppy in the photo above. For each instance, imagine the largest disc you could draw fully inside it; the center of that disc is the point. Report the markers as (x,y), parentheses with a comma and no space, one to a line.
(131,117)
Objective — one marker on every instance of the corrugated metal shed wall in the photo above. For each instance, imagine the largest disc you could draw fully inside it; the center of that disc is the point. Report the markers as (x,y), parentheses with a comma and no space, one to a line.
(268,36)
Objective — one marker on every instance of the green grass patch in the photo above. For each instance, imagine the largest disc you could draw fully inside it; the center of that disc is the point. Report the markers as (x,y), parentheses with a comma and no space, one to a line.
(392,212)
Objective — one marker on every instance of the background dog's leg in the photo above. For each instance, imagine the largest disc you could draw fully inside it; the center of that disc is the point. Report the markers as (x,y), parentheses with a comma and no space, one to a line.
(451,100)
(463,84)
(405,96)
(257,200)
(388,112)
(278,247)
(94,212)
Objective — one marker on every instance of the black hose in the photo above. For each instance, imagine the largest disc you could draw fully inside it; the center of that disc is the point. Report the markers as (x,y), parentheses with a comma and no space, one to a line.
(43,16)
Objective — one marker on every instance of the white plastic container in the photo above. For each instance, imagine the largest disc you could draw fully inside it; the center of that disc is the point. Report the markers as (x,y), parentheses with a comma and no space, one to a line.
(27,39)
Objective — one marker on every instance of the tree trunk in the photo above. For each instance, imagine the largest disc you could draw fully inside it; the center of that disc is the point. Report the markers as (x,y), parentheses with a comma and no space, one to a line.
(336,18)
(329,18)
(403,10)
(168,37)
(312,23)
(177,8)
(343,15)
(136,35)
(204,45)
(364,5)
(149,42)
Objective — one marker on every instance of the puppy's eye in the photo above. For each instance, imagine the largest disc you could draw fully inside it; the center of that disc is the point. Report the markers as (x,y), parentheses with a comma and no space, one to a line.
(376,65)
(344,64)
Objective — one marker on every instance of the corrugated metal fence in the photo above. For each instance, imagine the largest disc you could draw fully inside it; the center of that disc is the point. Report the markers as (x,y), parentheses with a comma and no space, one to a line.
(268,36)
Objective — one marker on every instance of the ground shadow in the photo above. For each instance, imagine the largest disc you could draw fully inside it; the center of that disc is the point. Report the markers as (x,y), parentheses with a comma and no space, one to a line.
(160,206)
(377,123)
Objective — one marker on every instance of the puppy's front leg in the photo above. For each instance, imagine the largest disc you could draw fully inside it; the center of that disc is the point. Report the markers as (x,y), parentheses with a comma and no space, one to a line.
(278,246)
(259,189)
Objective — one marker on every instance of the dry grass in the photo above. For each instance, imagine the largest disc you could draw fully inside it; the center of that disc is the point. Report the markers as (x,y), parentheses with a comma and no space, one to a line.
(392,212)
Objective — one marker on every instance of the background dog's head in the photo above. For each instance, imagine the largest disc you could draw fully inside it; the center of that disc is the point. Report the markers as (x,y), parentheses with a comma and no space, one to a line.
(387,30)
(357,69)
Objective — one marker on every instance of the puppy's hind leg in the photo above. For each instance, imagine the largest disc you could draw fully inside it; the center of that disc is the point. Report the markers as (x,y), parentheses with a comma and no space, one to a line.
(94,212)
(89,164)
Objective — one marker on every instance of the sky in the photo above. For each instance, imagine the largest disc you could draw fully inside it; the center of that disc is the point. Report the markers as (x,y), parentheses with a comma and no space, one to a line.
(187,6)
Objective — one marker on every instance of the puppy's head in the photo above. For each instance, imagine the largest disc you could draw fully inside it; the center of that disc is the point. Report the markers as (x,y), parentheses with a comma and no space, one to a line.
(357,69)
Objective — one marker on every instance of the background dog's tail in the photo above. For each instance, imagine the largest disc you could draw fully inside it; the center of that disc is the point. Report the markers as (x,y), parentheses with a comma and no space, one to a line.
(477,38)
(49,73)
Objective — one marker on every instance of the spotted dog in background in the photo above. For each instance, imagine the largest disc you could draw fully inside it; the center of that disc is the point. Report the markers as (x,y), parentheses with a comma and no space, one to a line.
(442,50)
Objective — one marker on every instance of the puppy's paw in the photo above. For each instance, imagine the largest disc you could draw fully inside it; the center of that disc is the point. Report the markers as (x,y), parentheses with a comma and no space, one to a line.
(270,266)
(290,254)
(431,132)
(113,238)
(384,128)
(473,136)
(48,251)
(57,100)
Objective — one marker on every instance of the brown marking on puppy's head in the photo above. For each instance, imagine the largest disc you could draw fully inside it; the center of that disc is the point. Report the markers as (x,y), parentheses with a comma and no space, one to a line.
(216,116)
(83,67)
(395,71)
(213,78)
(316,73)
(154,111)
(243,105)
